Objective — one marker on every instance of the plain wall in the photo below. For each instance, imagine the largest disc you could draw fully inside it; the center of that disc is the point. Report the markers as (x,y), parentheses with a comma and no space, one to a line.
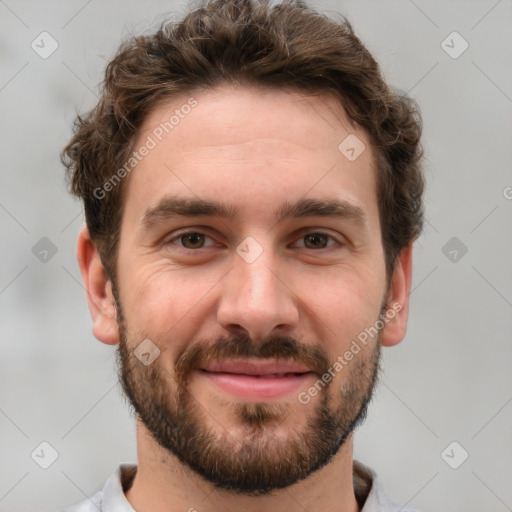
(449,380)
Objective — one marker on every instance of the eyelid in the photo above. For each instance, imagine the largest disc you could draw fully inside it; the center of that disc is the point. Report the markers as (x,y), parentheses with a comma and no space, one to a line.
(179,234)
(318,231)
(297,236)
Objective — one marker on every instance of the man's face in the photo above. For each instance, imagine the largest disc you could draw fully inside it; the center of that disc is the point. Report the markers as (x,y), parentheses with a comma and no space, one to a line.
(208,290)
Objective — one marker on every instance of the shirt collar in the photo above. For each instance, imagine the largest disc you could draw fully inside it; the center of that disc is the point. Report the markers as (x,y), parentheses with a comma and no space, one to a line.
(114,499)
(367,488)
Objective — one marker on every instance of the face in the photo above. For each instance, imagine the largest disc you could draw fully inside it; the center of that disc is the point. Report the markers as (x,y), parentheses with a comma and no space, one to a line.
(229,324)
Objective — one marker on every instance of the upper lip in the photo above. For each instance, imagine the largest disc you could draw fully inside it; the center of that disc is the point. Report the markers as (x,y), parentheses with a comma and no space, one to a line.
(259,367)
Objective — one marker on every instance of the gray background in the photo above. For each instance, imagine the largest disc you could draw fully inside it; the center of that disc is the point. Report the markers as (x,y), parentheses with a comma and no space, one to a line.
(450,379)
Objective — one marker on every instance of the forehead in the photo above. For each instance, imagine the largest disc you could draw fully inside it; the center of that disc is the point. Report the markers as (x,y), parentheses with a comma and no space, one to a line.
(251,147)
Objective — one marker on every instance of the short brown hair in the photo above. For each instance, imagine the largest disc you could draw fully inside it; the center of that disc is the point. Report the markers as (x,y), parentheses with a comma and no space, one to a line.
(256,43)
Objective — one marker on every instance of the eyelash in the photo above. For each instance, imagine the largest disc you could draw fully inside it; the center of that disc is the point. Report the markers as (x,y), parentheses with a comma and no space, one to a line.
(303,234)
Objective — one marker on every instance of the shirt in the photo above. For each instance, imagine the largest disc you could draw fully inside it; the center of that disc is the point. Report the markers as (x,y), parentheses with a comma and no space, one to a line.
(111,498)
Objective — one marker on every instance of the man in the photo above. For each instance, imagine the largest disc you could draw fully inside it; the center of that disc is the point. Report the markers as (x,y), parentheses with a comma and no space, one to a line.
(252,190)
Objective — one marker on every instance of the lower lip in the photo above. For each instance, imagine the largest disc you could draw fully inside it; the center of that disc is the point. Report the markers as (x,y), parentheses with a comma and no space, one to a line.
(248,386)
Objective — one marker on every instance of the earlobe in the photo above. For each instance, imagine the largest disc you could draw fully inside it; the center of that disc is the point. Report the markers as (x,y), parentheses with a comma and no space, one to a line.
(397,314)
(99,290)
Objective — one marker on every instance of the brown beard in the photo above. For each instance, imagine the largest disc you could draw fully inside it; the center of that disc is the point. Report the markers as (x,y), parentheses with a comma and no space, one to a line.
(258,462)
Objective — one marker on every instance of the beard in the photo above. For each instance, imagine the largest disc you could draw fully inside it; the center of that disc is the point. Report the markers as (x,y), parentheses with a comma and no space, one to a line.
(248,456)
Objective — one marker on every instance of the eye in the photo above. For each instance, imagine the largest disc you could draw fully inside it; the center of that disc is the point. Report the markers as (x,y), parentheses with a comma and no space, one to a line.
(317,240)
(191,240)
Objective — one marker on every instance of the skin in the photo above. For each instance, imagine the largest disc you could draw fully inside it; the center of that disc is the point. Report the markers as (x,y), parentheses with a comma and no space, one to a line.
(253,149)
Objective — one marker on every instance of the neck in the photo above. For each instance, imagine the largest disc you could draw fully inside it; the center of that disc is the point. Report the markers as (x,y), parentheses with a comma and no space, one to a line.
(164,484)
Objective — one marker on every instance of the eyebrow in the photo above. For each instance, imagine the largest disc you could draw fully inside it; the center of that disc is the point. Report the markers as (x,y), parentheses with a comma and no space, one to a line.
(174,206)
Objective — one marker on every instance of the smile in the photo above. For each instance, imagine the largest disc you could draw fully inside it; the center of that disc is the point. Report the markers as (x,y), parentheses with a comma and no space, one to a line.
(258,380)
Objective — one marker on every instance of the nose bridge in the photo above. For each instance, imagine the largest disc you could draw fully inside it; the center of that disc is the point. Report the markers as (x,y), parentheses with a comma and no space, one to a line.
(257,283)
(254,297)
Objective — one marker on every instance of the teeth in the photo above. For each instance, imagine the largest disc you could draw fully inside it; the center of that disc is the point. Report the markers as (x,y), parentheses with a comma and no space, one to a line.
(267,376)
(273,375)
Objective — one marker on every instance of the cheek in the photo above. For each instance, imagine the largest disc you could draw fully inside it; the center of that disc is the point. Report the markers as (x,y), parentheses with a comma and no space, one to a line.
(342,306)
(166,303)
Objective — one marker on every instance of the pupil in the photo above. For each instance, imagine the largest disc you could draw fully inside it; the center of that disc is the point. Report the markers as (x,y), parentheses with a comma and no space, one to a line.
(195,238)
(315,238)
(192,237)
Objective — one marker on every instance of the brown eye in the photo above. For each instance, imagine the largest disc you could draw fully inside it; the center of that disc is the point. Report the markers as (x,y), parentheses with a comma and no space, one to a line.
(314,240)
(190,240)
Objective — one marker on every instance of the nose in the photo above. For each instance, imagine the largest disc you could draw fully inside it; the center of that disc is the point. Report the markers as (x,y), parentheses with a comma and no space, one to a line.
(256,298)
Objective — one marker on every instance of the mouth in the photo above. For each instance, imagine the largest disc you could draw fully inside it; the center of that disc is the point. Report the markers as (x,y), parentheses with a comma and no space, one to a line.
(256,379)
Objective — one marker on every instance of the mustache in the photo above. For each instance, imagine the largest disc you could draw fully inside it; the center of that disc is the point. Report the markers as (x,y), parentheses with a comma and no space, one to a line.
(201,353)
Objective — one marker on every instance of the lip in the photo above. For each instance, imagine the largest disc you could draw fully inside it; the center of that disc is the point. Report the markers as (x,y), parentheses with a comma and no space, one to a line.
(256,367)
(257,380)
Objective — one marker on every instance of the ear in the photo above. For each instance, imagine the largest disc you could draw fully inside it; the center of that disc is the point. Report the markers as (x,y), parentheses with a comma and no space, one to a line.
(395,326)
(99,290)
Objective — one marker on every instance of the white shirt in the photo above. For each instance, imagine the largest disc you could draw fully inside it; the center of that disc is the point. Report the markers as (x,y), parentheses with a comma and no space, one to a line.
(111,498)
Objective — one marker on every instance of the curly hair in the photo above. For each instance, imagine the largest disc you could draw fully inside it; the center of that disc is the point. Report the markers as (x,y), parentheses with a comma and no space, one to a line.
(247,42)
